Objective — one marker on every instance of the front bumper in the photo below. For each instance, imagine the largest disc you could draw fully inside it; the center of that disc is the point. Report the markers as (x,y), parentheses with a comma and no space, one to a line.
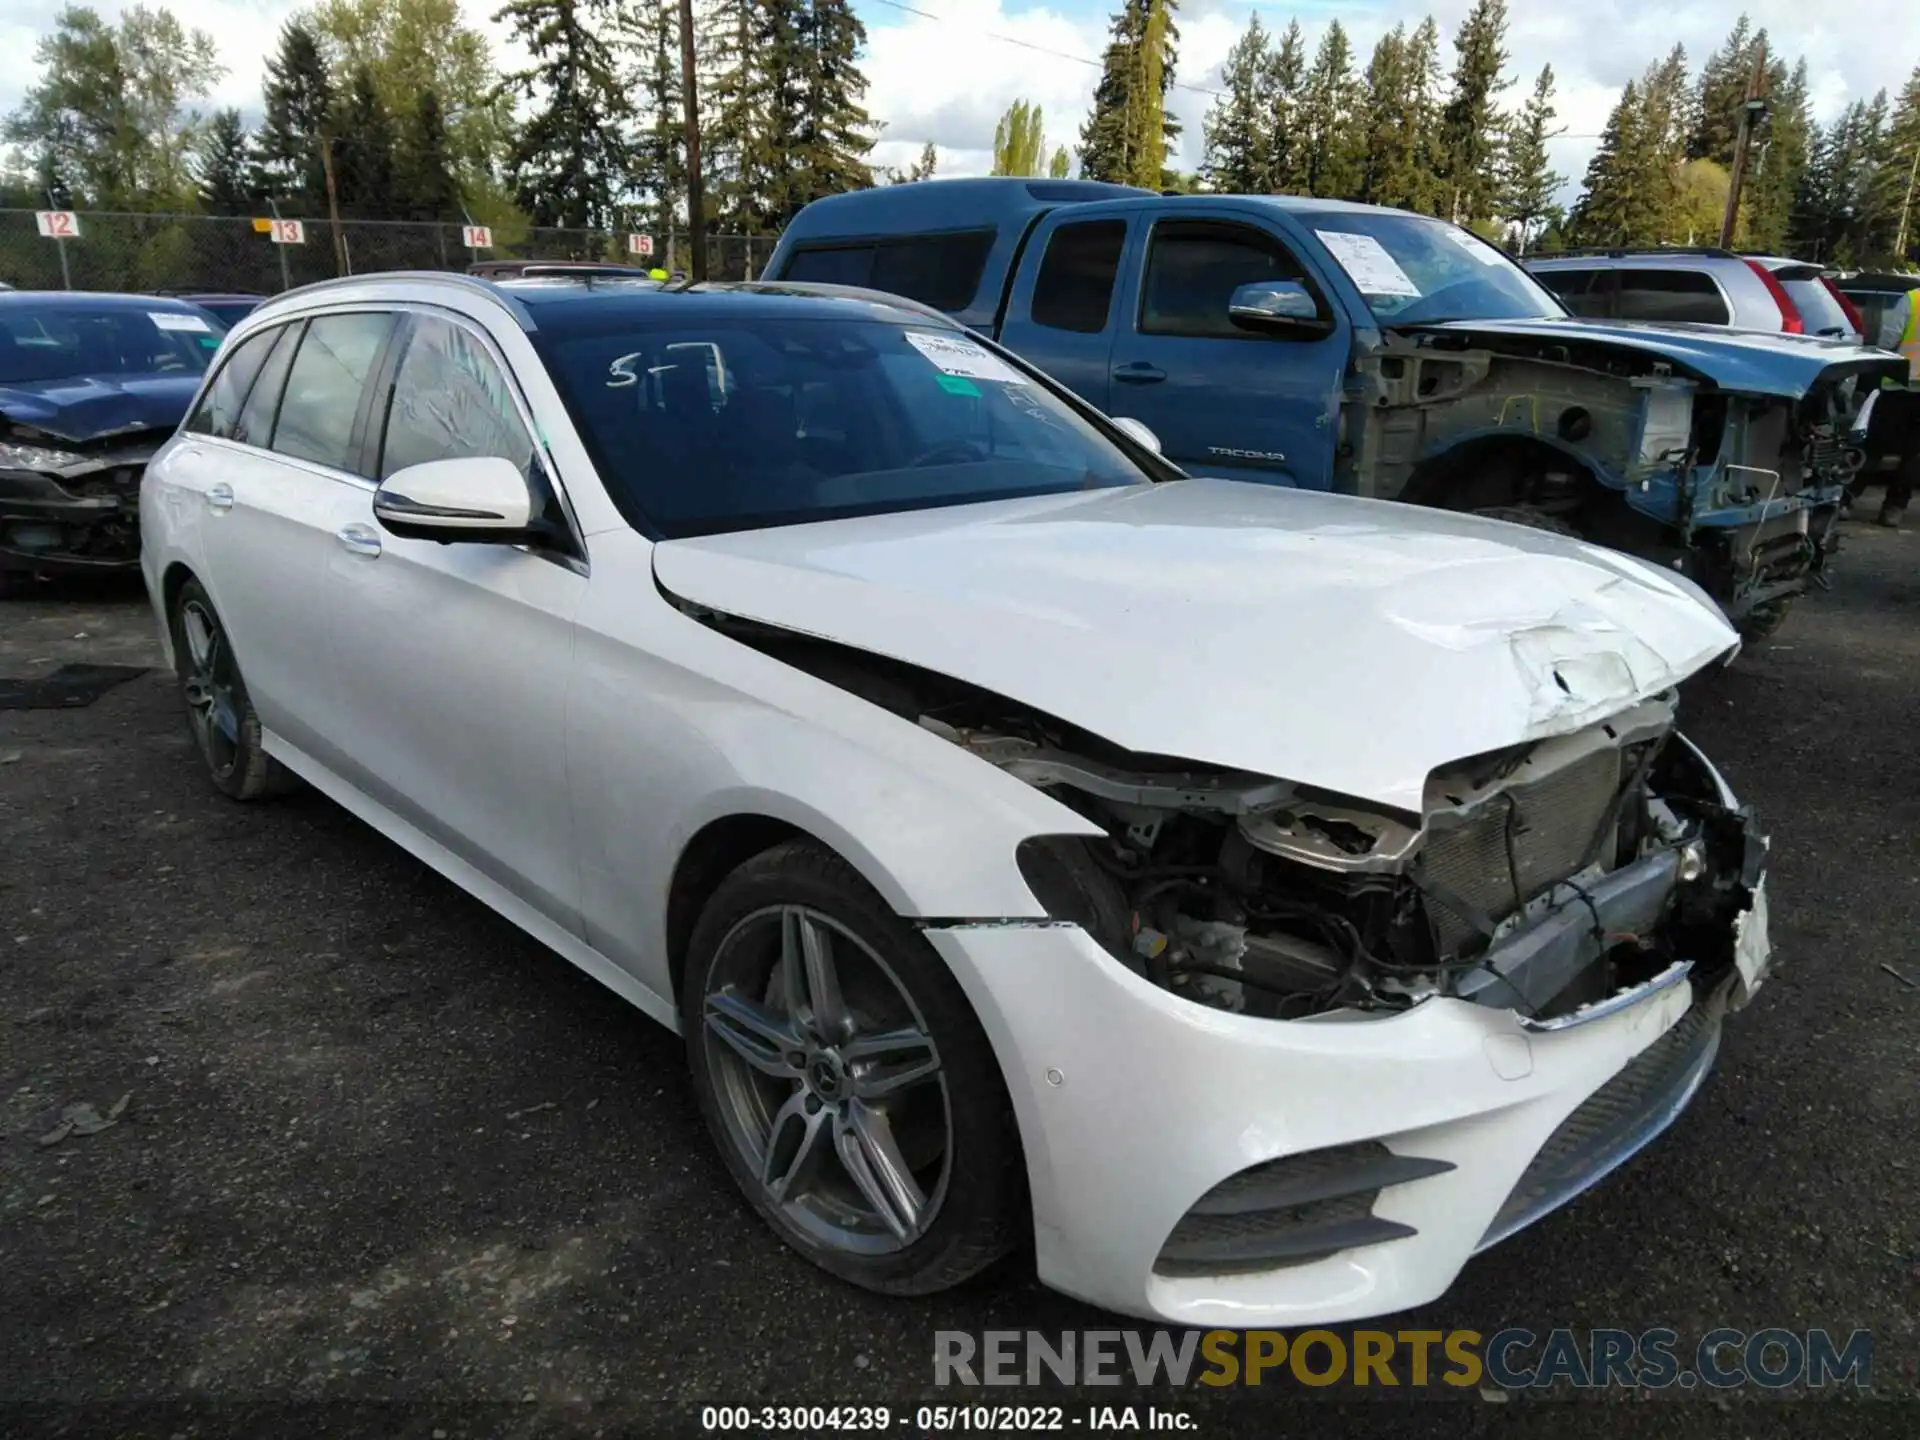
(52,527)
(1436,1132)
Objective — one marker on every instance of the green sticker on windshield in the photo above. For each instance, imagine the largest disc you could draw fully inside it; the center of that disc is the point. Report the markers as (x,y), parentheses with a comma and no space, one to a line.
(210,342)
(958,385)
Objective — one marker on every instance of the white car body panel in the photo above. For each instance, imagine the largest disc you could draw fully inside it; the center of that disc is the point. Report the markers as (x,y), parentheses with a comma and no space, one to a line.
(1354,645)
(553,736)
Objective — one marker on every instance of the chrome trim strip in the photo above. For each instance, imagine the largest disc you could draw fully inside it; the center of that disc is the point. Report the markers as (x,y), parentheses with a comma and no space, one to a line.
(1673,975)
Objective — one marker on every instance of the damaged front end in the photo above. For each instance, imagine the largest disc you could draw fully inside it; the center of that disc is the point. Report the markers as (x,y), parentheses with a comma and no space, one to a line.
(72,506)
(1543,879)
(1734,482)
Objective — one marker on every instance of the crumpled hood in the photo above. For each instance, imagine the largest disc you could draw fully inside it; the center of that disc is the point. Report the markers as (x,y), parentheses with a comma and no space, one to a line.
(1750,361)
(1349,644)
(86,407)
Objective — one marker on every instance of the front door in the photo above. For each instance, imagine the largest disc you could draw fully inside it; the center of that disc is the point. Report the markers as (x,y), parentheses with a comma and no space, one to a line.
(1222,400)
(453,659)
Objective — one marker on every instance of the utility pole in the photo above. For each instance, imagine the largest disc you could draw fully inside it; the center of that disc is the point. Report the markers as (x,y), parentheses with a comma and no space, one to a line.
(696,198)
(1751,111)
(333,206)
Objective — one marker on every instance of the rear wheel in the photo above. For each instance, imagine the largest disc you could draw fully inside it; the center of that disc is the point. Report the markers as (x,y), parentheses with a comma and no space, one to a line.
(225,727)
(849,1086)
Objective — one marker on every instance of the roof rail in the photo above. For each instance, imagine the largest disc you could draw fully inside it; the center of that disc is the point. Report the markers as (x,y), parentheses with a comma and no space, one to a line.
(1713,252)
(472,284)
(853,292)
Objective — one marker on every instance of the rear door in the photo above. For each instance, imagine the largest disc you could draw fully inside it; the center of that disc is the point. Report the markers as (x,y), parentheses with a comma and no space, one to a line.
(269,488)
(1224,401)
(1061,311)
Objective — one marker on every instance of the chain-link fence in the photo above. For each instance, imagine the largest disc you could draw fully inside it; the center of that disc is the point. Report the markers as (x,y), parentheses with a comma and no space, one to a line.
(146,253)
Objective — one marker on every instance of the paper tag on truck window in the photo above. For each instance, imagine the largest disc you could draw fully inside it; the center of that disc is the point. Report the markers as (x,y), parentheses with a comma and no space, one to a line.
(167,320)
(1475,246)
(957,355)
(1374,271)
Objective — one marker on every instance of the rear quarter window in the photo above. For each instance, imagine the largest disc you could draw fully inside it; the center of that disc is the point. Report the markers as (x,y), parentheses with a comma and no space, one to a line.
(1672,295)
(1820,313)
(938,270)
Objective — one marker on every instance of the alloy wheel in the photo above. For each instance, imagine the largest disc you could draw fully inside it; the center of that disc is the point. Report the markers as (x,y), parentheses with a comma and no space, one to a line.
(209,681)
(830,1084)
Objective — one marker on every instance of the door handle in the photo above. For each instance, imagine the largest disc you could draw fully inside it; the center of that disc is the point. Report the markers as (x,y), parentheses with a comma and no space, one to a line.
(358,540)
(1139,373)
(220,496)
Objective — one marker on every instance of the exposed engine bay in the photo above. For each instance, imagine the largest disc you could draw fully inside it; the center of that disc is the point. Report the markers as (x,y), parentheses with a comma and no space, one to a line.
(1739,490)
(72,505)
(1540,878)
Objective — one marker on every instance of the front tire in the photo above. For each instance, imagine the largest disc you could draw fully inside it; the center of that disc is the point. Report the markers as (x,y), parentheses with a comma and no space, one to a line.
(225,726)
(847,1083)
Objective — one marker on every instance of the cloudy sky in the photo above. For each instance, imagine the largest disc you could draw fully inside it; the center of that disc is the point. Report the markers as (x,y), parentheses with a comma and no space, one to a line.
(943,70)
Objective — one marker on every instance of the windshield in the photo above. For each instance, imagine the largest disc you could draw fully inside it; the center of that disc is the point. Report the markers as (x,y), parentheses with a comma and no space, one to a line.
(1415,271)
(710,426)
(60,342)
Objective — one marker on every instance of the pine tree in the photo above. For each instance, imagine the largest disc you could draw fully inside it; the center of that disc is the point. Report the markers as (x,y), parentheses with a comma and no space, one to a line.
(1528,182)
(1390,143)
(1777,160)
(1286,87)
(1425,81)
(423,172)
(1893,193)
(927,164)
(570,157)
(1471,125)
(732,150)
(834,133)
(1238,159)
(649,32)
(363,150)
(1130,133)
(1019,141)
(298,92)
(1714,115)
(220,166)
(1329,118)
(1061,164)
(1613,208)
(1663,129)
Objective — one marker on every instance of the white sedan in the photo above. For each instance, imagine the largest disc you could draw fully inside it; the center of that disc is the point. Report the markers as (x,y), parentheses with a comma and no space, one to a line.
(1264,899)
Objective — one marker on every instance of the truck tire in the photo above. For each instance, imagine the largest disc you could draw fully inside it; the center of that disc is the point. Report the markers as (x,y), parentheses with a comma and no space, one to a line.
(1762,621)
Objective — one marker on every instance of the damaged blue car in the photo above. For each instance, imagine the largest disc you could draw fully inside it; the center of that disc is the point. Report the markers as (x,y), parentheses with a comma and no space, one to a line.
(90,387)
(1331,346)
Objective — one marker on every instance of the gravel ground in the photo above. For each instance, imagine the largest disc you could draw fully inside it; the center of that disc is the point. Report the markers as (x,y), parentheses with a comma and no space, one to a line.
(388,1167)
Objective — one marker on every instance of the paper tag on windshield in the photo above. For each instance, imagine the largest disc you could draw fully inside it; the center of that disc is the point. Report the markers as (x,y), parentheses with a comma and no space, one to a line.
(1374,271)
(1475,246)
(168,320)
(957,355)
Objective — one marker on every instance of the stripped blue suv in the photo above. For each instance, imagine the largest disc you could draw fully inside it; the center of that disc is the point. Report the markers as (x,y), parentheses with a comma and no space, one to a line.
(1374,352)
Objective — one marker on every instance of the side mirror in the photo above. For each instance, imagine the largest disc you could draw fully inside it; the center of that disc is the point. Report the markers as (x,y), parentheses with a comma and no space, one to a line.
(1136,432)
(1277,307)
(484,499)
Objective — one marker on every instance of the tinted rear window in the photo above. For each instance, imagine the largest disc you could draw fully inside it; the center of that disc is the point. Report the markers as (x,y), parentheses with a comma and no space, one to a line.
(1074,289)
(1820,313)
(1672,295)
(701,427)
(938,270)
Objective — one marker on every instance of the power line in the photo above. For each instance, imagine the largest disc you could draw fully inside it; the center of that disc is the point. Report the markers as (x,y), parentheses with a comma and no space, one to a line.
(1047,50)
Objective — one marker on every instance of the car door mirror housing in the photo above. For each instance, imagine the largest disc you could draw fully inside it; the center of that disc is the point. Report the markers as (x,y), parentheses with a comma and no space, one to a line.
(1278,307)
(1136,432)
(482,499)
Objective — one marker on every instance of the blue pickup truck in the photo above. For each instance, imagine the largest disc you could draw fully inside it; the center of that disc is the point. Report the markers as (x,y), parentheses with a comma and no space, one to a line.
(1332,346)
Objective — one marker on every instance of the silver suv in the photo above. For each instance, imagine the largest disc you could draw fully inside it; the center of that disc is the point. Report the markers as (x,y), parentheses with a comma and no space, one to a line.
(1707,286)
